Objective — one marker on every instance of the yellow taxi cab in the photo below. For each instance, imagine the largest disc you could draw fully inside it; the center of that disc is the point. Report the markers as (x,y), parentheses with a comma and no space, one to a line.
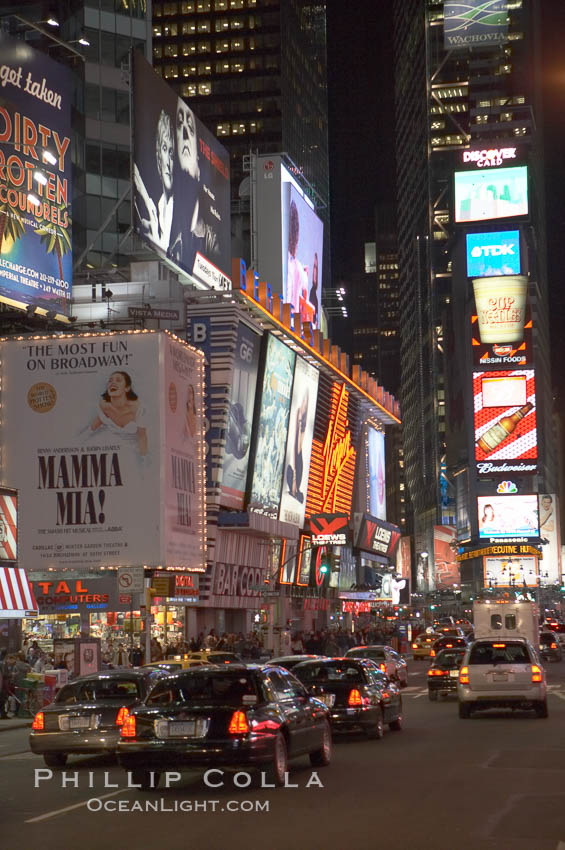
(213,656)
(422,645)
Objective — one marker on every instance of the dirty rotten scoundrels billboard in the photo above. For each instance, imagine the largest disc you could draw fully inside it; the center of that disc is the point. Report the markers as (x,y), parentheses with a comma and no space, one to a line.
(83,438)
(35,238)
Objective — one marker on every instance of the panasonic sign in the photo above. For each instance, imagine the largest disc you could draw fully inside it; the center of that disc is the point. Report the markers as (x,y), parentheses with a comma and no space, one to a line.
(493,254)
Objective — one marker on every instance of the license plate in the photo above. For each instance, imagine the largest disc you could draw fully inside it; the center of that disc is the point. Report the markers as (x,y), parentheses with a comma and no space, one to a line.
(327,699)
(454,674)
(500,677)
(81,722)
(187,728)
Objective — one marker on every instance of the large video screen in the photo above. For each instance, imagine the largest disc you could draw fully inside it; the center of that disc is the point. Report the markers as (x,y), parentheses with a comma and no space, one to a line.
(491,193)
(505,421)
(511,571)
(508,516)
(302,247)
(181,181)
(36,262)
(272,428)
(493,254)
(299,444)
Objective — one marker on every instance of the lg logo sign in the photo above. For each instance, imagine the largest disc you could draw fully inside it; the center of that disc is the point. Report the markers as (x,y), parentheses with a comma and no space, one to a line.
(493,251)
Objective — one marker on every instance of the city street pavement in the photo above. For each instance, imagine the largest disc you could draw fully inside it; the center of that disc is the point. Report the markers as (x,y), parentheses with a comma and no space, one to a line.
(494,782)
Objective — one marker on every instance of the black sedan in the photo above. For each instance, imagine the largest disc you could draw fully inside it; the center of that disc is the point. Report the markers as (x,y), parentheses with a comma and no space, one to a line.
(444,672)
(549,647)
(448,642)
(251,717)
(289,662)
(87,714)
(357,693)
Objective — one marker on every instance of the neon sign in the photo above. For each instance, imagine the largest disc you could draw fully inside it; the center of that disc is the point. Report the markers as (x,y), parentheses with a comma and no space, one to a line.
(489,158)
(332,465)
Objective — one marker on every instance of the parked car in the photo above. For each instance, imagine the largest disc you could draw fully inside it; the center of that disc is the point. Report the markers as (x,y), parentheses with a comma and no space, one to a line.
(387,658)
(549,646)
(357,693)
(501,673)
(251,717)
(86,716)
(422,645)
(443,675)
(289,662)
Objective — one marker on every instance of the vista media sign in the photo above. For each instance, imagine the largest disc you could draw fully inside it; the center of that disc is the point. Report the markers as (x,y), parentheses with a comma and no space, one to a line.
(493,254)
(475,23)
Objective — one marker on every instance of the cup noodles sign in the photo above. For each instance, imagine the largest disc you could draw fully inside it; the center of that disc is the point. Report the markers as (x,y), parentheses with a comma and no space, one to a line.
(488,158)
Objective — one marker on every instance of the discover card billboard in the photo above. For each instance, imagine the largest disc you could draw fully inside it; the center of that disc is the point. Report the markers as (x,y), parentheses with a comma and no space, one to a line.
(104,436)
(299,444)
(181,181)
(272,428)
(35,237)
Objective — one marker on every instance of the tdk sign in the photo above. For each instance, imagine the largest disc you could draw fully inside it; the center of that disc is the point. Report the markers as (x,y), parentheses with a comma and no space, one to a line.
(493,254)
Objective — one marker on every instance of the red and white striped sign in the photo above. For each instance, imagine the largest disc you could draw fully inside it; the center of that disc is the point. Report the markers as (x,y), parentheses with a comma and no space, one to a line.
(16,596)
(8,526)
(501,394)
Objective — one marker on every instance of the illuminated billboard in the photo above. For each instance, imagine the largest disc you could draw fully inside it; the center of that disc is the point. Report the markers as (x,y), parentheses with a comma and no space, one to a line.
(299,444)
(290,238)
(240,417)
(490,193)
(272,428)
(8,525)
(474,23)
(35,194)
(505,421)
(376,476)
(446,566)
(511,572)
(181,181)
(493,254)
(501,517)
(503,354)
(550,533)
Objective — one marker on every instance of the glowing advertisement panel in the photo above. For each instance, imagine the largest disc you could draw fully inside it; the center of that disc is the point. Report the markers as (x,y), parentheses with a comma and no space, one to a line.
(505,421)
(104,435)
(377,481)
(181,181)
(550,533)
(240,417)
(502,354)
(511,572)
(272,428)
(493,254)
(474,23)
(35,238)
(302,247)
(8,525)
(491,193)
(501,517)
(299,444)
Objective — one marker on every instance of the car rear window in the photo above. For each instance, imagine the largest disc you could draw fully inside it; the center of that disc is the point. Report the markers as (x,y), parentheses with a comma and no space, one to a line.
(499,653)
(206,689)
(449,657)
(332,672)
(101,689)
(547,638)
(224,658)
(367,653)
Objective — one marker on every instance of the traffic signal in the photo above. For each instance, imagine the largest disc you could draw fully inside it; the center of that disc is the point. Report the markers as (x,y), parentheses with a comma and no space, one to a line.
(325,565)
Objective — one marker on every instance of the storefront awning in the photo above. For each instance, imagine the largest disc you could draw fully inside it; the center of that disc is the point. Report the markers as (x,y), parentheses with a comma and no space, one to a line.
(16,596)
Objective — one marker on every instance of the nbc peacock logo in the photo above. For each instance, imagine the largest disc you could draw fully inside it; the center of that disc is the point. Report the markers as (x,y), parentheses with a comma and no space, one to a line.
(506,487)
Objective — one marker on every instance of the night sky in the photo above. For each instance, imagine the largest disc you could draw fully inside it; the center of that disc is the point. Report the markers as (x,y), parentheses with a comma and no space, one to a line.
(361,130)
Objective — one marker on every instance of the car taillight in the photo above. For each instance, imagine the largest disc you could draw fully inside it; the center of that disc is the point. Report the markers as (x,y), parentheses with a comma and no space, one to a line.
(128,729)
(121,716)
(464,676)
(553,646)
(438,672)
(382,668)
(537,675)
(238,724)
(414,646)
(432,653)
(38,722)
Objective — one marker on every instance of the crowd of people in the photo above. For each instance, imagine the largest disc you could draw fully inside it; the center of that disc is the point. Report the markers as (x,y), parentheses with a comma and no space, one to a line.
(337,642)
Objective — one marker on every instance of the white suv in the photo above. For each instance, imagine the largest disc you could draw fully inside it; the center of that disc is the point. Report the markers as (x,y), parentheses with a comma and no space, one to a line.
(505,673)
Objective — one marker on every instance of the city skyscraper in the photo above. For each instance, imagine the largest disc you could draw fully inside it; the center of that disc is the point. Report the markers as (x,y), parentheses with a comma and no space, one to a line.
(457,93)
